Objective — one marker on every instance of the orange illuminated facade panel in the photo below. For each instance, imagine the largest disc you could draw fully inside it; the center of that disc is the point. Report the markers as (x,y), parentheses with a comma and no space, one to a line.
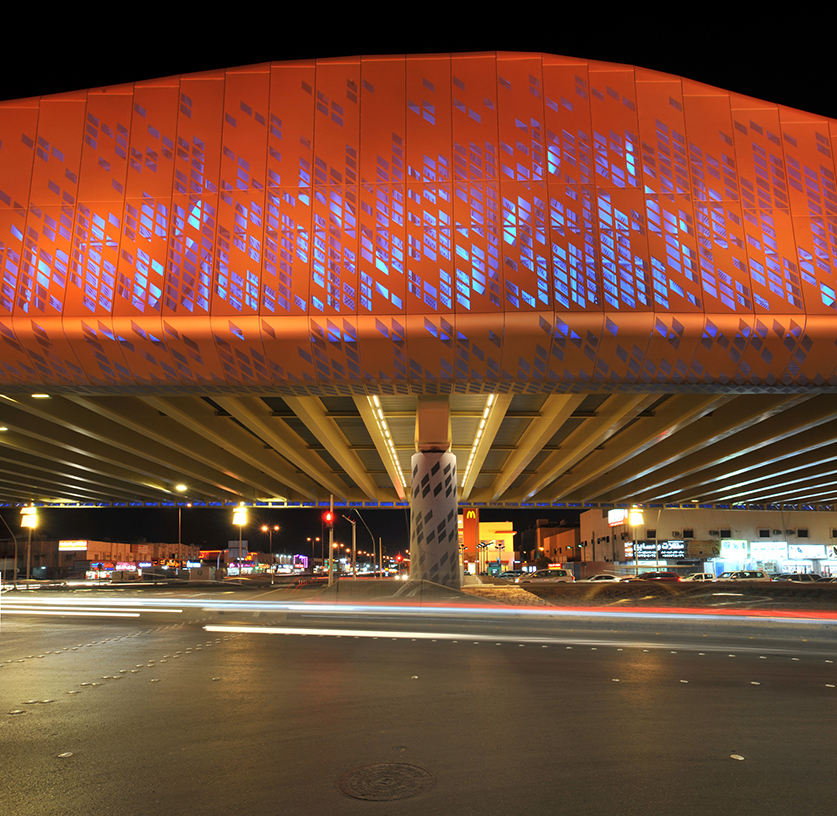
(422,223)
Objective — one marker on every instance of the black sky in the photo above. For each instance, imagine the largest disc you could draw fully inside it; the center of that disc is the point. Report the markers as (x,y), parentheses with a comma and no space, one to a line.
(779,56)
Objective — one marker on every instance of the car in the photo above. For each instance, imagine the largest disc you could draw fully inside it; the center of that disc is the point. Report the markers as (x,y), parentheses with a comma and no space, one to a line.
(700,576)
(751,575)
(803,577)
(511,574)
(744,575)
(605,578)
(551,575)
(659,576)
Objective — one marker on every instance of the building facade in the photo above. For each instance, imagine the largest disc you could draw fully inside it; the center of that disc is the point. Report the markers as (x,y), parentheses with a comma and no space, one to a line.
(714,540)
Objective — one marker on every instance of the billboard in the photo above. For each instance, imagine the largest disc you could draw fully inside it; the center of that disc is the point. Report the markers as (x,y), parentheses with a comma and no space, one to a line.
(72,546)
(470,528)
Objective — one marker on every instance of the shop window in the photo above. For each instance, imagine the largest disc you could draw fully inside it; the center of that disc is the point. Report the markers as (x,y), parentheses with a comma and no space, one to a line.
(802,532)
(650,533)
(688,533)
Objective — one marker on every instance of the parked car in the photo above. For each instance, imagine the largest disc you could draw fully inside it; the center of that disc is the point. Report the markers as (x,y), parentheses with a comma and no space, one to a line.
(659,576)
(749,575)
(511,574)
(607,577)
(551,575)
(700,576)
(803,577)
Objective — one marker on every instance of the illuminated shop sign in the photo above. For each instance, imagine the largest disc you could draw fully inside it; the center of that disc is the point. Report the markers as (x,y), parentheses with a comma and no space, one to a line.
(672,549)
(617,517)
(72,546)
(733,548)
(651,550)
(123,566)
(768,550)
(806,550)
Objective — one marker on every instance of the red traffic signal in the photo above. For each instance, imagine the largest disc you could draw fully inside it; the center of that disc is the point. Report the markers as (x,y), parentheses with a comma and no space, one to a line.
(328,518)
(398,557)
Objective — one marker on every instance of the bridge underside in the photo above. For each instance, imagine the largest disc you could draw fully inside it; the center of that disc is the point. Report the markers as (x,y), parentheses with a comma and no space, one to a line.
(549,449)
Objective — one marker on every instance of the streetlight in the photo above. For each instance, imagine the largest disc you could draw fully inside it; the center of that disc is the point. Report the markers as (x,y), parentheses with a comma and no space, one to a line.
(635,520)
(266,528)
(240,518)
(354,544)
(29,519)
(181,488)
(313,543)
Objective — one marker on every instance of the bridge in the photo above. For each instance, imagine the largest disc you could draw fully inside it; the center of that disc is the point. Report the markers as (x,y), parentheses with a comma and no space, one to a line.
(567,282)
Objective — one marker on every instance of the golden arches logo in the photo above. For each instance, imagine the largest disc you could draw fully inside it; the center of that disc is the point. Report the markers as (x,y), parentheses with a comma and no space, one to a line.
(470,514)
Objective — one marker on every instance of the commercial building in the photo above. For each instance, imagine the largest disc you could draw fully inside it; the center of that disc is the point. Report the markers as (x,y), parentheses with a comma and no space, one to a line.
(491,550)
(713,540)
(54,558)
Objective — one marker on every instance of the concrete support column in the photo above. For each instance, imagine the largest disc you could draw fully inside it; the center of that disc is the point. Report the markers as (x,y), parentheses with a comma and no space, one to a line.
(434,545)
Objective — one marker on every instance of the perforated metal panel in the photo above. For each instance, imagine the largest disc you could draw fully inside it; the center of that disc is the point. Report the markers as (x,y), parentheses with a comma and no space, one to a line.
(437,224)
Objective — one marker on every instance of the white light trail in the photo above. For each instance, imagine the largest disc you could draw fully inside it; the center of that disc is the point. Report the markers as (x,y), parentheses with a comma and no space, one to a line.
(470,637)
(72,612)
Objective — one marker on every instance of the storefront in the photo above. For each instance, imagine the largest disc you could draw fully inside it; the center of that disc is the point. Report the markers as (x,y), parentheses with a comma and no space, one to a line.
(777,557)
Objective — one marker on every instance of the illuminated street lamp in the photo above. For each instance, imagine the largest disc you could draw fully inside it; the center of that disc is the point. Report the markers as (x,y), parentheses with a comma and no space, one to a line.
(313,543)
(240,518)
(28,519)
(635,520)
(354,545)
(180,488)
(266,528)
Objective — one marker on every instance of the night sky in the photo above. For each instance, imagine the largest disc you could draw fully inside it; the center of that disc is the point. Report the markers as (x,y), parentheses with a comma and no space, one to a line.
(768,56)
(774,55)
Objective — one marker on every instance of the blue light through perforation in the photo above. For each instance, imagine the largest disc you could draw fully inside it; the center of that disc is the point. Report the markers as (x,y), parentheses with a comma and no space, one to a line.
(92,273)
(189,280)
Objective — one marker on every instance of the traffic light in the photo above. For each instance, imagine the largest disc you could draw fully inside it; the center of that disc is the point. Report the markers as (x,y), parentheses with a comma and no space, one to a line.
(398,557)
(328,518)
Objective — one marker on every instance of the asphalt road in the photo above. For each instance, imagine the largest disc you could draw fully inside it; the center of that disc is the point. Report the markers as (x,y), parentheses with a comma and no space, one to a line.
(507,712)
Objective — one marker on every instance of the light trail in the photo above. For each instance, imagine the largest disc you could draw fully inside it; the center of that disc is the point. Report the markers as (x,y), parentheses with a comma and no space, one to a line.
(480,612)
(467,637)
(91,608)
(73,613)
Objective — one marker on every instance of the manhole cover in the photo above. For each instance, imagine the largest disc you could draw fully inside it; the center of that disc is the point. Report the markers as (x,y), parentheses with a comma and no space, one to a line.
(385,782)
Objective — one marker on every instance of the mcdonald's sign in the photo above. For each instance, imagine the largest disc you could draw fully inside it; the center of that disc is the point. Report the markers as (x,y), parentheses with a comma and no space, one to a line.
(470,528)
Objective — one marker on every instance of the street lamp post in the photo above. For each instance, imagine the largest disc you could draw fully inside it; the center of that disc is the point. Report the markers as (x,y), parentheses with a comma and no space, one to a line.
(313,543)
(635,520)
(240,518)
(266,528)
(29,519)
(354,544)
